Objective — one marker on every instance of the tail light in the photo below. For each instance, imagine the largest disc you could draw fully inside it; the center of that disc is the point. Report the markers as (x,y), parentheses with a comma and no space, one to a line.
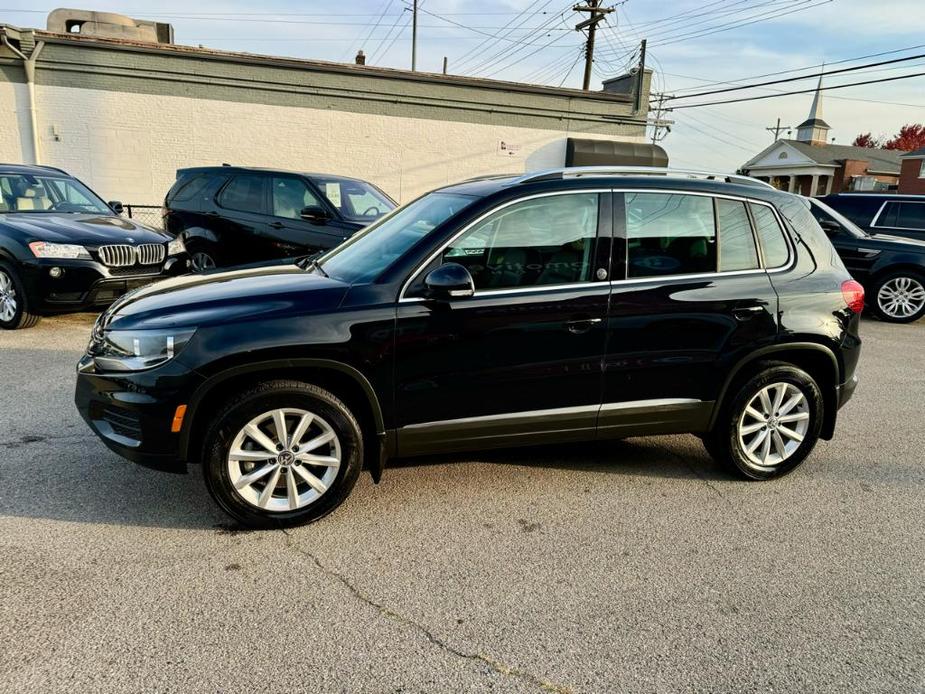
(853,294)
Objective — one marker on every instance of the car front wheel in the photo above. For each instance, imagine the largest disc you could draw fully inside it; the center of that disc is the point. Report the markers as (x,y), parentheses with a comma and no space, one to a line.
(281,454)
(14,304)
(899,297)
(771,424)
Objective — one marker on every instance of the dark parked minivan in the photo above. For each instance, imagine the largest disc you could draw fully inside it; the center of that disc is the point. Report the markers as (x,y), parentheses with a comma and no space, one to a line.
(883,213)
(233,215)
(565,305)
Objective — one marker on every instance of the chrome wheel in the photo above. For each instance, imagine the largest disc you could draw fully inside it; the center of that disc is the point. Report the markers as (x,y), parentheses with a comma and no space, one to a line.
(8,303)
(284,460)
(901,297)
(201,261)
(773,425)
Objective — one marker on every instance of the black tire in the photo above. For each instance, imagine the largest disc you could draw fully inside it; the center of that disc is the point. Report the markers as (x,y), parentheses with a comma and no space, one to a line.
(22,316)
(916,284)
(724,443)
(255,402)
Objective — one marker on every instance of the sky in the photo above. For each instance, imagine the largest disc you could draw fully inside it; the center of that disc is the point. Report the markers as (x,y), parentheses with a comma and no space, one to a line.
(692,46)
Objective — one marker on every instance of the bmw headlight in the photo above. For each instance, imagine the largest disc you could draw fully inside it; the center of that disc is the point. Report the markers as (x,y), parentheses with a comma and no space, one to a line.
(176,246)
(67,251)
(136,350)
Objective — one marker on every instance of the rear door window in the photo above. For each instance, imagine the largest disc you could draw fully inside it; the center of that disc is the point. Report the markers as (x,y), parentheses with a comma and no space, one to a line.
(669,234)
(911,215)
(737,250)
(244,193)
(770,236)
(887,217)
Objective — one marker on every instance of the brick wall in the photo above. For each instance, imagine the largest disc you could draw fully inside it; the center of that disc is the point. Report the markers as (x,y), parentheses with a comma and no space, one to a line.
(910,177)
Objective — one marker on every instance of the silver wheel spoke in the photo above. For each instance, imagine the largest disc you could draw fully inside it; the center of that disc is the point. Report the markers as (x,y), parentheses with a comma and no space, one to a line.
(324,460)
(250,456)
(261,438)
(765,402)
(752,412)
(279,420)
(790,434)
(313,481)
(790,404)
(292,489)
(779,447)
(267,492)
(300,429)
(252,477)
(779,397)
(317,442)
(752,428)
(766,449)
(797,417)
(753,446)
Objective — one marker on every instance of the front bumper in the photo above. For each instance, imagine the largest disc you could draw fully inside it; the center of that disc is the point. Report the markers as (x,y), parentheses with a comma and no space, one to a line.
(132,413)
(87,284)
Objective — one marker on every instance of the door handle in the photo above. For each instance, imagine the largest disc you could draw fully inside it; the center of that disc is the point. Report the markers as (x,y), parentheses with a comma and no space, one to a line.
(277,225)
(582,325)
(747,312)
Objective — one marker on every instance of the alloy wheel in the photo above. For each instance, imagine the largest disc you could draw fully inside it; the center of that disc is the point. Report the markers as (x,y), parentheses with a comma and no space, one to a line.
(284,460)
(901,297)
(8,303)
(773,425)
(202,261)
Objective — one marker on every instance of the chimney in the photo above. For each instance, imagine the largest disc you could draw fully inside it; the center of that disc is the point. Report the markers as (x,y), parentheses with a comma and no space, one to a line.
(361,58)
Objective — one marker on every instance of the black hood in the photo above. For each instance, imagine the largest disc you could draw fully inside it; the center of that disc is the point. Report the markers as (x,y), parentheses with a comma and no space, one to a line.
(194,301)
(90,230)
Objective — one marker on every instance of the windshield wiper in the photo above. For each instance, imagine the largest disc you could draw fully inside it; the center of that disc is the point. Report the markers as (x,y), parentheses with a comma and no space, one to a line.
(310,262)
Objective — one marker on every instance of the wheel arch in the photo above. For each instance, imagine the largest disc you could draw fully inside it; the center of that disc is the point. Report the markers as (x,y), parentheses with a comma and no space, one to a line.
(343,380)
(816,359)
(906,265)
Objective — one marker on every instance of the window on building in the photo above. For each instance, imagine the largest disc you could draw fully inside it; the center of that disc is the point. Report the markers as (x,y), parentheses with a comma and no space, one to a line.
(289,196)
(669,234)
(737,250)
(243,193)
(770,236)
(542,241)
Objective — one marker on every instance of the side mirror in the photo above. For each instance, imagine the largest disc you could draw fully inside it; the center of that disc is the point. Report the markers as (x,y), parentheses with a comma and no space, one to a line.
(315,214)
(116,206)
(449,281)
(830,226)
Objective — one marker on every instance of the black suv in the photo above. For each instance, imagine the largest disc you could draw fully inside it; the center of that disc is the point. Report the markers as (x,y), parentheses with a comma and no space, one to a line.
(891,268)
(558,306)
(63,249)
(232,215)
(883,213)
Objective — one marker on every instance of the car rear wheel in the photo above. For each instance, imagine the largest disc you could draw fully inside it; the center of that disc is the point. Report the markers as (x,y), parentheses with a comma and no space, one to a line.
(899,297)
(14,303)
(283,453)
(771,424)
(202,261)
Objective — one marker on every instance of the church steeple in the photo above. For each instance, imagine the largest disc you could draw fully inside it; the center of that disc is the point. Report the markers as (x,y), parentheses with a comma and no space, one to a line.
(814,130)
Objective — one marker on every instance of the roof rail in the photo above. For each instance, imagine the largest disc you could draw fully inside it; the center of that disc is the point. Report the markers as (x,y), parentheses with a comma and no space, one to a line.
(576,171)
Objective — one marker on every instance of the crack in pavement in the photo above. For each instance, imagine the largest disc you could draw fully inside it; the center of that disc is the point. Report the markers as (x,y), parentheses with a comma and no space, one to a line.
(496,665)
(33,439)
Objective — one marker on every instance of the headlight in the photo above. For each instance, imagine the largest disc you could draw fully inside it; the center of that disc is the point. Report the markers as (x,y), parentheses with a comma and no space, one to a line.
(41,249)
(136,350)
(176,247)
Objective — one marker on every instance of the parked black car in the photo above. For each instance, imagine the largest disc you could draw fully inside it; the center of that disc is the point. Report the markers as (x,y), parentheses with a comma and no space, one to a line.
(232,215)
(557,306)
(63,249)
(883,213)
(891,268)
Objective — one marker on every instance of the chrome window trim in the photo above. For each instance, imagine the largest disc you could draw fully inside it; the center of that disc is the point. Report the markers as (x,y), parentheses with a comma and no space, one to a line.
(635,280)
(874,224)
(417,271)
(651,404)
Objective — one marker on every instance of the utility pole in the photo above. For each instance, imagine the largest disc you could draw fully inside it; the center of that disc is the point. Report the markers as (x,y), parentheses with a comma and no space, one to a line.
(414,37)
(777,128)
(597,13)
(658,123)
(640,75)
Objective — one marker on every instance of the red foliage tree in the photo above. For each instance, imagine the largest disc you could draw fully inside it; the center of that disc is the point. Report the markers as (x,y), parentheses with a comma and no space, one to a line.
(867,140)
(910,137)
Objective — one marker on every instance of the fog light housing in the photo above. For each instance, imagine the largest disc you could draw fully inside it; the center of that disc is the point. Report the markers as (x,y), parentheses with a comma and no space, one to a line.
(56,272)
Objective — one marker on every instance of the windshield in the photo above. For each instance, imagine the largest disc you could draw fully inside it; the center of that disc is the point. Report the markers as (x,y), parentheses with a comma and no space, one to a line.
(31,193)
(357,201)
(822,211)
(368,253)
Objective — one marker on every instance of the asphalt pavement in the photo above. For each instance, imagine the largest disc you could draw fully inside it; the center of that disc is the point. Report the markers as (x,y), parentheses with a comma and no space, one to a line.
(630,566)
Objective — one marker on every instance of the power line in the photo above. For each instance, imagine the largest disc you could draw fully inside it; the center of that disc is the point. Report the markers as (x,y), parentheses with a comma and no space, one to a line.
(803,77)
(802,91)
(510,51)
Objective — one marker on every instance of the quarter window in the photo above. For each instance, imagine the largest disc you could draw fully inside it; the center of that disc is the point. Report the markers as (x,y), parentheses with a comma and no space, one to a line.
(669,234)
(542,241)
(771,236)
(290,196)
(243,193)
(737,249)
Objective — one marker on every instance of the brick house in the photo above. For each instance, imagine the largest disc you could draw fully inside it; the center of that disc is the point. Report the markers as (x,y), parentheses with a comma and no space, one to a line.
(912,174)
(810,165)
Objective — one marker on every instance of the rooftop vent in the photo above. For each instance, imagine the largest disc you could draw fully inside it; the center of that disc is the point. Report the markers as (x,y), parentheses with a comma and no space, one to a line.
(108,25)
